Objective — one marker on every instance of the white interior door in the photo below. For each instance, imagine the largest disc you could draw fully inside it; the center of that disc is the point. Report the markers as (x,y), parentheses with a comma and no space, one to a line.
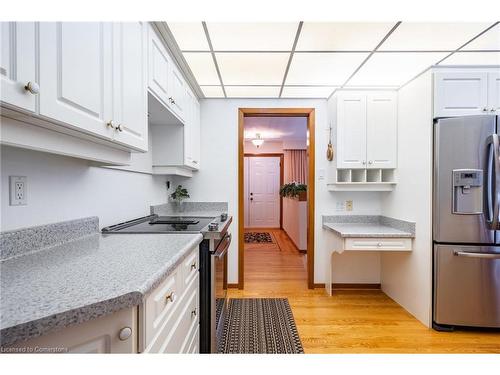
(263,195)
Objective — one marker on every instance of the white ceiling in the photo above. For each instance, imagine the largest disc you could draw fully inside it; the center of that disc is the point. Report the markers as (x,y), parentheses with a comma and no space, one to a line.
(276,128)
(312,60)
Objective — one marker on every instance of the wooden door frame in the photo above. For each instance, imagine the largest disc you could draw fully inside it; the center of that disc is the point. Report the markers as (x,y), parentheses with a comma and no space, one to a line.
(282,174)
(309,113)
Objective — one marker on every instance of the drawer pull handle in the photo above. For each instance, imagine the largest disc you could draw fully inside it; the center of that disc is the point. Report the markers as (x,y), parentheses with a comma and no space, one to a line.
(193,313)
(125,333)
(193,266)
(170,297)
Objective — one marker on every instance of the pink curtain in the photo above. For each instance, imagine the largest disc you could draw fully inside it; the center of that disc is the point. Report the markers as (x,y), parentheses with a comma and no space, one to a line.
(295,166)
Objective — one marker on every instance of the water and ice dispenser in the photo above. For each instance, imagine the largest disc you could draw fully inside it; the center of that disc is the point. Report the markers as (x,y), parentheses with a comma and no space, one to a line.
(467,191)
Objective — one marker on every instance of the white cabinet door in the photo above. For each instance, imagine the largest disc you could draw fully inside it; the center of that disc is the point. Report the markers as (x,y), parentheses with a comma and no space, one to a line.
(129,84)
(381,130)
(351,131)
(196,134)
(18,64)
(494,92)
(76,75)
(160,66)
(179,98)
(460,93)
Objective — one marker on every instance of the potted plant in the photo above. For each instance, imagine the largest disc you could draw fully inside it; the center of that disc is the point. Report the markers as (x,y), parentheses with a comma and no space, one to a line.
(179,195)
(294,190)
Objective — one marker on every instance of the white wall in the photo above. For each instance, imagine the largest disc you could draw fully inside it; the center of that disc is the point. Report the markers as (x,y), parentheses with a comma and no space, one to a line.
(63,188)
(218,180)
(407,278)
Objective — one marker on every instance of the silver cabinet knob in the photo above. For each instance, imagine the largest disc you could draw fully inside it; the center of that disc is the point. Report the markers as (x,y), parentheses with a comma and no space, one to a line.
(193,266)
(110,124)
(195,161)
(125,333)
(119,127)
(379,244)
(171,100)
(485,109)
(32,87)
(370,162)
(193,313)
(492,110)
(363,162)
(170,297)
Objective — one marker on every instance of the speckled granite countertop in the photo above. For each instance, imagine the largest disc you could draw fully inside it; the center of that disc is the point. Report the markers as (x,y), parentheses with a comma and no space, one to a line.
(83,278)
(201,209)
(367,226)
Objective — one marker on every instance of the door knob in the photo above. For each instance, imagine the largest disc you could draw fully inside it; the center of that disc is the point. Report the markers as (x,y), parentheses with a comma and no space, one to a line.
(251,199)
(32,87)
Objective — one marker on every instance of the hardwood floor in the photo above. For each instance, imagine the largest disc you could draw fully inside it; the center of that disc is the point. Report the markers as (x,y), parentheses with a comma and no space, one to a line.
(351,321)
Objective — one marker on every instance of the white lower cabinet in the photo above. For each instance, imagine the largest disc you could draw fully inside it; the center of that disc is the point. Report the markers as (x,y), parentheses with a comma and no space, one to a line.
(170,314)
(18,83)
(114,333)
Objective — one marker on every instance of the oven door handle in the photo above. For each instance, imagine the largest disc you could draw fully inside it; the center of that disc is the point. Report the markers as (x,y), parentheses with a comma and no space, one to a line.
(222,249)
(477,255)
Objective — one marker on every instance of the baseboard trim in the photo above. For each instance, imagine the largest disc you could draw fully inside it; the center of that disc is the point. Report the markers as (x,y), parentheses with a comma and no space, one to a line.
(350,286)
(233,286)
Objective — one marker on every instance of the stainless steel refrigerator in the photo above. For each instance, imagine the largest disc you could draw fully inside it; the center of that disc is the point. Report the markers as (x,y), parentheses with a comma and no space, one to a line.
(466,236)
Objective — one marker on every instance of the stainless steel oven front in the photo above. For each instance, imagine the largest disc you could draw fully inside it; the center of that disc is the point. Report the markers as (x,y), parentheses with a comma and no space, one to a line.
(219,291)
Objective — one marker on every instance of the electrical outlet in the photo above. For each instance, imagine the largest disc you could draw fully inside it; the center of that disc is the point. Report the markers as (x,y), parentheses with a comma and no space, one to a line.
(18,191)
(348,205)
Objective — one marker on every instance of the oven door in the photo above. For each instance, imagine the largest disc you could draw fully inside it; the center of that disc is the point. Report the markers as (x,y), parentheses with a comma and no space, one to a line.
(219,291)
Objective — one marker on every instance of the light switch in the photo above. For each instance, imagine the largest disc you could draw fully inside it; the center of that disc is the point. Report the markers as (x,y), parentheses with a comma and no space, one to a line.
(321,174)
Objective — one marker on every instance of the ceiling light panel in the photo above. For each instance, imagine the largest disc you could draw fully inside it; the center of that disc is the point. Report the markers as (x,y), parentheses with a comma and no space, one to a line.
(189,35)
(277,36)
(419,36)
(212,91)
(473,58)
(252,68)
(252,91)
(394,69)
(307,91)
(323,68)
(341,36)
(203,67)
(490,40)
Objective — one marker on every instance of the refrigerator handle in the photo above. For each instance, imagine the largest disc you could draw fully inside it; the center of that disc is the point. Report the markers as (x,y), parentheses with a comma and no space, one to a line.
(492,181)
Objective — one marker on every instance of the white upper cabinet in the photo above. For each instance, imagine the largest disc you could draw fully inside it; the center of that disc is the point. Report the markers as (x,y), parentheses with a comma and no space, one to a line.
(367,130)
(159,68)
(351,130)
(19,85)
(196,135)
(381,130)
(76,75)
(129,84)
(494,92)
(178,98)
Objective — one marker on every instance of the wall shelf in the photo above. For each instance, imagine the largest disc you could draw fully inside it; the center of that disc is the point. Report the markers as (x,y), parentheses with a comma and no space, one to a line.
(373,179)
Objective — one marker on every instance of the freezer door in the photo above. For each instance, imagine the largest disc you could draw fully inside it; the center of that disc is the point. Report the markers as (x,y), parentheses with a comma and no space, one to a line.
(460,179)
(467,285)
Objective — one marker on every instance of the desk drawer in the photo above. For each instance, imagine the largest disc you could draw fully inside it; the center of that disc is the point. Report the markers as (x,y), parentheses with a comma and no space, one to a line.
(378,244)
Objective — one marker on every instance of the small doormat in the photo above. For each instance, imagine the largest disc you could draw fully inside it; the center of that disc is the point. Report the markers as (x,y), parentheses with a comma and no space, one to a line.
(258,237)
(260,325)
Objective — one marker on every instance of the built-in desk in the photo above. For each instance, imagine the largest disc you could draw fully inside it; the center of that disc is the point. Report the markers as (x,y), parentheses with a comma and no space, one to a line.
(364,233)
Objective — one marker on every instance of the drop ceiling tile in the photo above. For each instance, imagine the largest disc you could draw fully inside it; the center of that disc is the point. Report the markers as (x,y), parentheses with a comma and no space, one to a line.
(212,91)
(341,36)
(307,91)
(203,67)
(189,35)
(420,36)
(277,36)
(473,58)
(252,91)
(252,68)
(394,69)
(490,40)
(323,68)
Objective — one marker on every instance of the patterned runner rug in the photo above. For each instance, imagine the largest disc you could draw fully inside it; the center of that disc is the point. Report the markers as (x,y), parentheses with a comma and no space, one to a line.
(258,237)
(260,325)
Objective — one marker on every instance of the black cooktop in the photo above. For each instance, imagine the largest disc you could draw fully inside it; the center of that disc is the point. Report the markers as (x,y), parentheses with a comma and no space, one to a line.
(161,224)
